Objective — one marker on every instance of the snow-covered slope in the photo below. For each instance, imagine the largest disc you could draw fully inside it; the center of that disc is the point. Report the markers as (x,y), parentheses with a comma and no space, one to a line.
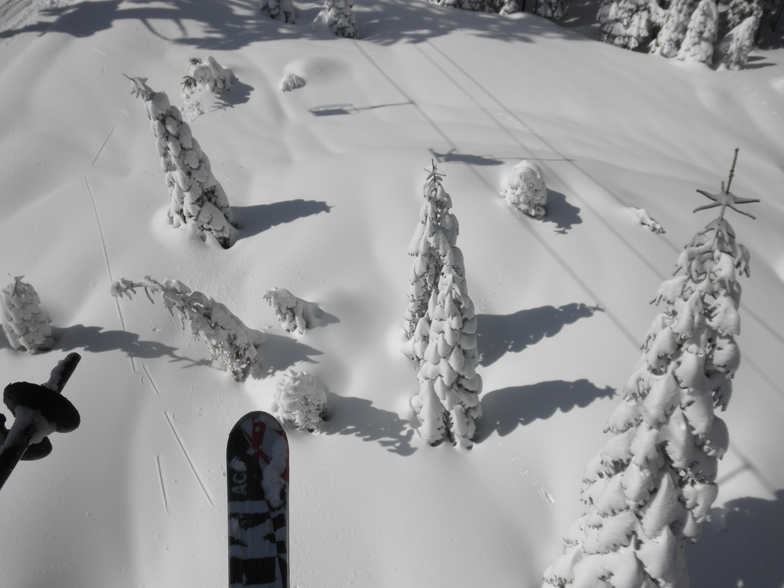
(325,182)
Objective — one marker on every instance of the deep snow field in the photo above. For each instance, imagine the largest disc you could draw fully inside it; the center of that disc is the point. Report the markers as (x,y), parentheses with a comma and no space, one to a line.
(326,182)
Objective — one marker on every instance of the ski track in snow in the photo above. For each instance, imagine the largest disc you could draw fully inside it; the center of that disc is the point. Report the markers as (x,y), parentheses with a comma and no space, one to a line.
(188,457)
(163,486)
(633,339)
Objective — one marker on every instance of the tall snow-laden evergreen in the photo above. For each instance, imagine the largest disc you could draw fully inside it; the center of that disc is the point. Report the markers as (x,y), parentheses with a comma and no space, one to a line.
(551,9)
(675,21)
(25,324)
(649,490)
(700,36)
(197,199)
(625,23)
(435,235)
(740,10)
(447,404)
(279,9)
(440,325)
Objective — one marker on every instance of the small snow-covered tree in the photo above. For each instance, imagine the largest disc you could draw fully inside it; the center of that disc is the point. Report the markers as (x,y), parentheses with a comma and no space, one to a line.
(734,49)
(510,6)
(624,23)
(197,199)
(25,324)
(279,8)
(675,21)
(210,75)
(650,488)
(447,404)
(293,313)
(226,336)
(338,16)
(526,189)
(435,235)
(300,400)
(697,45)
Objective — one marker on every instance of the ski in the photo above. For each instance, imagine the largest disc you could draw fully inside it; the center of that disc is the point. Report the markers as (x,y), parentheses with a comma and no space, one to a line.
(257,472)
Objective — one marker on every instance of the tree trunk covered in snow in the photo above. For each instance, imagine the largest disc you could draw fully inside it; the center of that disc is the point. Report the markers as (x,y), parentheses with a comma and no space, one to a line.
(649,490)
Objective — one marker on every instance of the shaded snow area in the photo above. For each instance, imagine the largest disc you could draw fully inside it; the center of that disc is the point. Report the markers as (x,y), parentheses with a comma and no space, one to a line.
(325,185)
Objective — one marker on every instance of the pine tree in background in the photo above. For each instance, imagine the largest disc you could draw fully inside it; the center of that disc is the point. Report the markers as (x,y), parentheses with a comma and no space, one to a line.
(25,324)
(740,10)
(447,404)
(338,16)
(649,490)
(675,21)
(734,49)
(197,199)
(226,336)
(550,9)
(701,33)
(435,235)
(624,23)
(279,8)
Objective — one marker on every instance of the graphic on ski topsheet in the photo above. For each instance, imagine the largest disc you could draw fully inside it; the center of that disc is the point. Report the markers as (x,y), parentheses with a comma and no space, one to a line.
(257,458)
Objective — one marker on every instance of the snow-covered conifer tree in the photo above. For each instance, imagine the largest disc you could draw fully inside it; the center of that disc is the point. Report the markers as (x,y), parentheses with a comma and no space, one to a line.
(210,75)
(734,49)
(300,400)
(279,8)
(447,404)
(25,324)
(650,488)
(675,21)
(435,235)
(293,313)
(697,45)
(551,9)
(510,7)
(197,199)
(338,16)
(625,23)
(740,10)
(226,336)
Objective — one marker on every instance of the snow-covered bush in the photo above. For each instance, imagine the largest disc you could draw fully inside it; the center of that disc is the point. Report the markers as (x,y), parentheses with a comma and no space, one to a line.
(675,21)
(293,313)
(650,488)
(338,16)
(734,49)
(641,216)
(291,82)
(300,400)
(697,45)
(226,336)
(279,8)
(447,404)
(435,235)
(25,324)
(197,199)
(208,75)
(625,23)
(526,189)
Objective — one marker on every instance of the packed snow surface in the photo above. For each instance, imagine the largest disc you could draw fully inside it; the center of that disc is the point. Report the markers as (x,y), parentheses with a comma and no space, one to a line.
(325,184)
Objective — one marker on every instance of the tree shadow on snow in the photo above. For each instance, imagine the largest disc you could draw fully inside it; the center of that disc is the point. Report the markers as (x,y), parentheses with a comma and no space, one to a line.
(358,417)
(560,212)
(96,340)
(451,156)
(500,334)
(232,24)
(506,409)
(239,94)
(278,353)
(261,217)
(742,545)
